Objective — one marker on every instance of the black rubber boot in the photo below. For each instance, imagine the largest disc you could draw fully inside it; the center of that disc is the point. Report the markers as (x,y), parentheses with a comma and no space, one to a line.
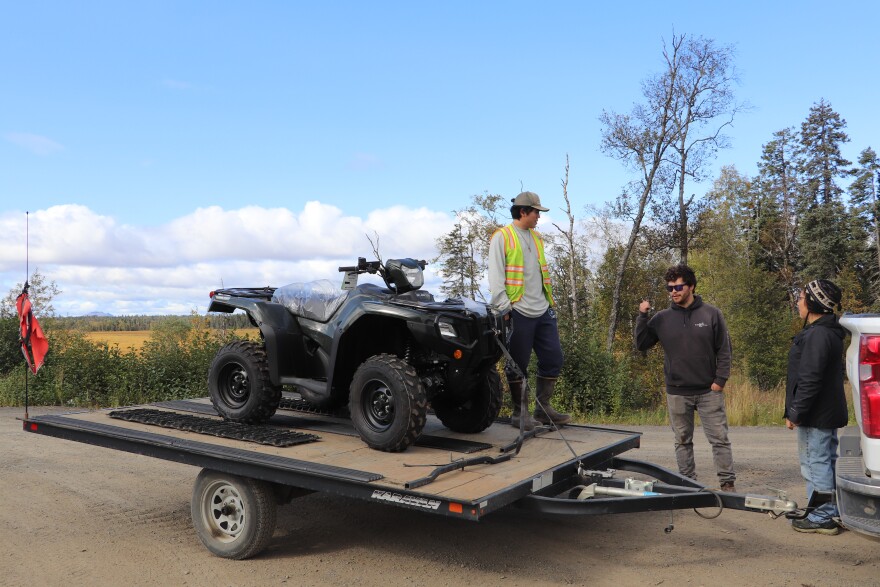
(548,415)
(516,387)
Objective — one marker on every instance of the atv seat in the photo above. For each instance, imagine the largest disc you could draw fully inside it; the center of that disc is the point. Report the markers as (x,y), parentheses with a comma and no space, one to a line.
(315,300)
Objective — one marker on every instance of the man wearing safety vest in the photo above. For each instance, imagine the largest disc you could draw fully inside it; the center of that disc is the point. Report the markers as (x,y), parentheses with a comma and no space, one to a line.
(519,281)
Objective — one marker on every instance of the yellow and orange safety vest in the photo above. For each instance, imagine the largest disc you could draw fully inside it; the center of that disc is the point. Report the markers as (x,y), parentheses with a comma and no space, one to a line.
(514,261)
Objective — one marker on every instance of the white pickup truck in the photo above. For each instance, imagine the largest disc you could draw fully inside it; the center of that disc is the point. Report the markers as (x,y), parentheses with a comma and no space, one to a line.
(858,467)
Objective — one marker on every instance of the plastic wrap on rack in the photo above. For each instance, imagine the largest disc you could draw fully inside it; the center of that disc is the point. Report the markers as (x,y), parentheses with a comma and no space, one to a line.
(316,300)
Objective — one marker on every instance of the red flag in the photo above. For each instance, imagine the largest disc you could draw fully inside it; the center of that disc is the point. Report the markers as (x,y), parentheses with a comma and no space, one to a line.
(33,344)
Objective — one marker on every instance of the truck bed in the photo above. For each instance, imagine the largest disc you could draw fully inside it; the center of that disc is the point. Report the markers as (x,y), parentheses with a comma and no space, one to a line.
(339,462)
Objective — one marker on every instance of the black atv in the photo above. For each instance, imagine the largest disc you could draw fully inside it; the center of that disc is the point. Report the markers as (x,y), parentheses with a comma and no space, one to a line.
(386,353)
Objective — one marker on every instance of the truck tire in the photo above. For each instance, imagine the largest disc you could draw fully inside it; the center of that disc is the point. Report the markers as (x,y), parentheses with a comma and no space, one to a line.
(388,404)
(234,517)
(477,412)
(239,383)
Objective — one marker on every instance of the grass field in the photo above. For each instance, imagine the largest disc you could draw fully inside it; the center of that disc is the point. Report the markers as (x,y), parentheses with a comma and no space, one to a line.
(124,339)
(134,339)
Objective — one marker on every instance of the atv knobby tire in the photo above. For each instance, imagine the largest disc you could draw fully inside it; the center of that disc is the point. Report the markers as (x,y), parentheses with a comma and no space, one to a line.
(477,412)
(388,404)
(239,383)
(234,516)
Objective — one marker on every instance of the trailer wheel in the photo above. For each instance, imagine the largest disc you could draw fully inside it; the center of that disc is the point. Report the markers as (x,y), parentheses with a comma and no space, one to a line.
(478,411)
(234,517)
(239,383)
(388,403)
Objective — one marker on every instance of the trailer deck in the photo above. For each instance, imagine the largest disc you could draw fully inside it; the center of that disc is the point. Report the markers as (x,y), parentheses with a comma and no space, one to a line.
(247,469)
(339,462)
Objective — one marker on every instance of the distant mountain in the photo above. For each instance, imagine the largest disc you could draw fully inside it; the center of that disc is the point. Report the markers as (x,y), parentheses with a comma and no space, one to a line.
(101,314)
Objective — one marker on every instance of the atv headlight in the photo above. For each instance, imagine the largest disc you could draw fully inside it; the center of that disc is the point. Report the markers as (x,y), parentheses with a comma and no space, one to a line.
(405,274)
(447,330)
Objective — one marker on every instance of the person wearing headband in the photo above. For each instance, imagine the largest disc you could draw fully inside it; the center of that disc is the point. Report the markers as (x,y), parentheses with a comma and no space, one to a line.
(815,404)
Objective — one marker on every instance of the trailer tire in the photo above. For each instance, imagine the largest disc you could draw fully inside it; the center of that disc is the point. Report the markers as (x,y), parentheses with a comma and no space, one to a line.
(477,412)
(388,403)
(239,383)
(234,517)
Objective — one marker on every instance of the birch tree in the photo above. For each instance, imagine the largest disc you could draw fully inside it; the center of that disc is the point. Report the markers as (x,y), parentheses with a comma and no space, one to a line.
(641,140)
(705,85)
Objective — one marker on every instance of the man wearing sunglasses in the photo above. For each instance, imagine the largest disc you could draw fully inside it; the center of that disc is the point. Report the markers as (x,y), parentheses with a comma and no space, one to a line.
(696,364)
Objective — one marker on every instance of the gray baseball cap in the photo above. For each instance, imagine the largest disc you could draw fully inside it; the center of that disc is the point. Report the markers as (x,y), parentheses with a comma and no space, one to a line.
(529,199)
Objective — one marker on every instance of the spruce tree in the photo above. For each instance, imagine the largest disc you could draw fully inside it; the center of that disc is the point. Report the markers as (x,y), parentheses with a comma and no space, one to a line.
(865,205)
(463,252)
(775,217)
(825,238)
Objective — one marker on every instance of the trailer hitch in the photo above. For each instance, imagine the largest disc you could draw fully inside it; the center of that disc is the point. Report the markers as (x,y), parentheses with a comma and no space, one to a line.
(775,506)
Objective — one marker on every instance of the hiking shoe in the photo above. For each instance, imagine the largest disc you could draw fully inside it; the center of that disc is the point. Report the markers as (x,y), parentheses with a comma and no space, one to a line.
(828,527)
(728,487)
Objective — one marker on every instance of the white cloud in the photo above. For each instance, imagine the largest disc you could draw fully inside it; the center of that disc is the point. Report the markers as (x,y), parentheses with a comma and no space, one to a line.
(102,265)
(37,144)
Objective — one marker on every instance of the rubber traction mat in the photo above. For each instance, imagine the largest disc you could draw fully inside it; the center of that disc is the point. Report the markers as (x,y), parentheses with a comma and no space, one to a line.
(258,433)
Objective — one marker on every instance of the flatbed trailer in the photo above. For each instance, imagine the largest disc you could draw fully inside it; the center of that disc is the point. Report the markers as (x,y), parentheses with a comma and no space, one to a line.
(247,471)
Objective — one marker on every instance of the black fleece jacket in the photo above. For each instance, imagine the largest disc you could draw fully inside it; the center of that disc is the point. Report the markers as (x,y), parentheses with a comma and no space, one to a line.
(814,388)
(696,346)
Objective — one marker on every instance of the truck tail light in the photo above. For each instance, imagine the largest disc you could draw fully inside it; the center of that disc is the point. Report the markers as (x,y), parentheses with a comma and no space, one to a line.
(869,384)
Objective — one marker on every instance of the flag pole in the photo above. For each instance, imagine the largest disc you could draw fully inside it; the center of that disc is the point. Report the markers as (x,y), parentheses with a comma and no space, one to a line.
(27,268)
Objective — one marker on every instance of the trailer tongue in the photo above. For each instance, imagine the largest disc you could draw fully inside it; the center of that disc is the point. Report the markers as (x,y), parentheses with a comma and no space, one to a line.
(249,471)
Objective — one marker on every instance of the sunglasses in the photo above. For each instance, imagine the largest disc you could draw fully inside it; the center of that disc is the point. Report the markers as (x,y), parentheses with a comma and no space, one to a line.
(678,287)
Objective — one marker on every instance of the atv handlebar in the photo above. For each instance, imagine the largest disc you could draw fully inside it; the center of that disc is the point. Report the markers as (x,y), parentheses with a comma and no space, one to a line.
(365,266)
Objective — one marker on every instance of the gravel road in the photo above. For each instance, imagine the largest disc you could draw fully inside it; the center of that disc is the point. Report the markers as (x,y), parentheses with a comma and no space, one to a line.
(79,515)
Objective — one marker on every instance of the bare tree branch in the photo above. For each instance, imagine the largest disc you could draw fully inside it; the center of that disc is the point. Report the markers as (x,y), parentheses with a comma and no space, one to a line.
(571,251)
(375,245)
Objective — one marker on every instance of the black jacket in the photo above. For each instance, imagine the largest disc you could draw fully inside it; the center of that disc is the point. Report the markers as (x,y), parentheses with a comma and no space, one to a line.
(814,388)
(696,346)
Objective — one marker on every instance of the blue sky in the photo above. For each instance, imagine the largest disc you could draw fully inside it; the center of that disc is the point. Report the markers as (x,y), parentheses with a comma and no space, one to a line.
(165,147)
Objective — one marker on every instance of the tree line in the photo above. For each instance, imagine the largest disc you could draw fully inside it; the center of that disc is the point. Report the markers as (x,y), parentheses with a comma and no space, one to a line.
(143,322)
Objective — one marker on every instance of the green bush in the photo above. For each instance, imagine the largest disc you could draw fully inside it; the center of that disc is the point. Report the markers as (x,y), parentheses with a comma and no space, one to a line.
(592,381)
(173,364)
(10,349)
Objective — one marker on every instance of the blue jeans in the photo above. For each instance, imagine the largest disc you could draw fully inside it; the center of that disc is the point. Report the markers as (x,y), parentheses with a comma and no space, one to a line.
(817,449)
(540,334)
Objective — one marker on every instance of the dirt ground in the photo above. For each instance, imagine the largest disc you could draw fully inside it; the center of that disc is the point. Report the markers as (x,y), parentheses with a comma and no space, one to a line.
(73,514)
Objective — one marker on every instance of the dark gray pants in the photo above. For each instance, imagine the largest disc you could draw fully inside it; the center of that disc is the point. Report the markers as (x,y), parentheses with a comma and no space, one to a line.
(710,406)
